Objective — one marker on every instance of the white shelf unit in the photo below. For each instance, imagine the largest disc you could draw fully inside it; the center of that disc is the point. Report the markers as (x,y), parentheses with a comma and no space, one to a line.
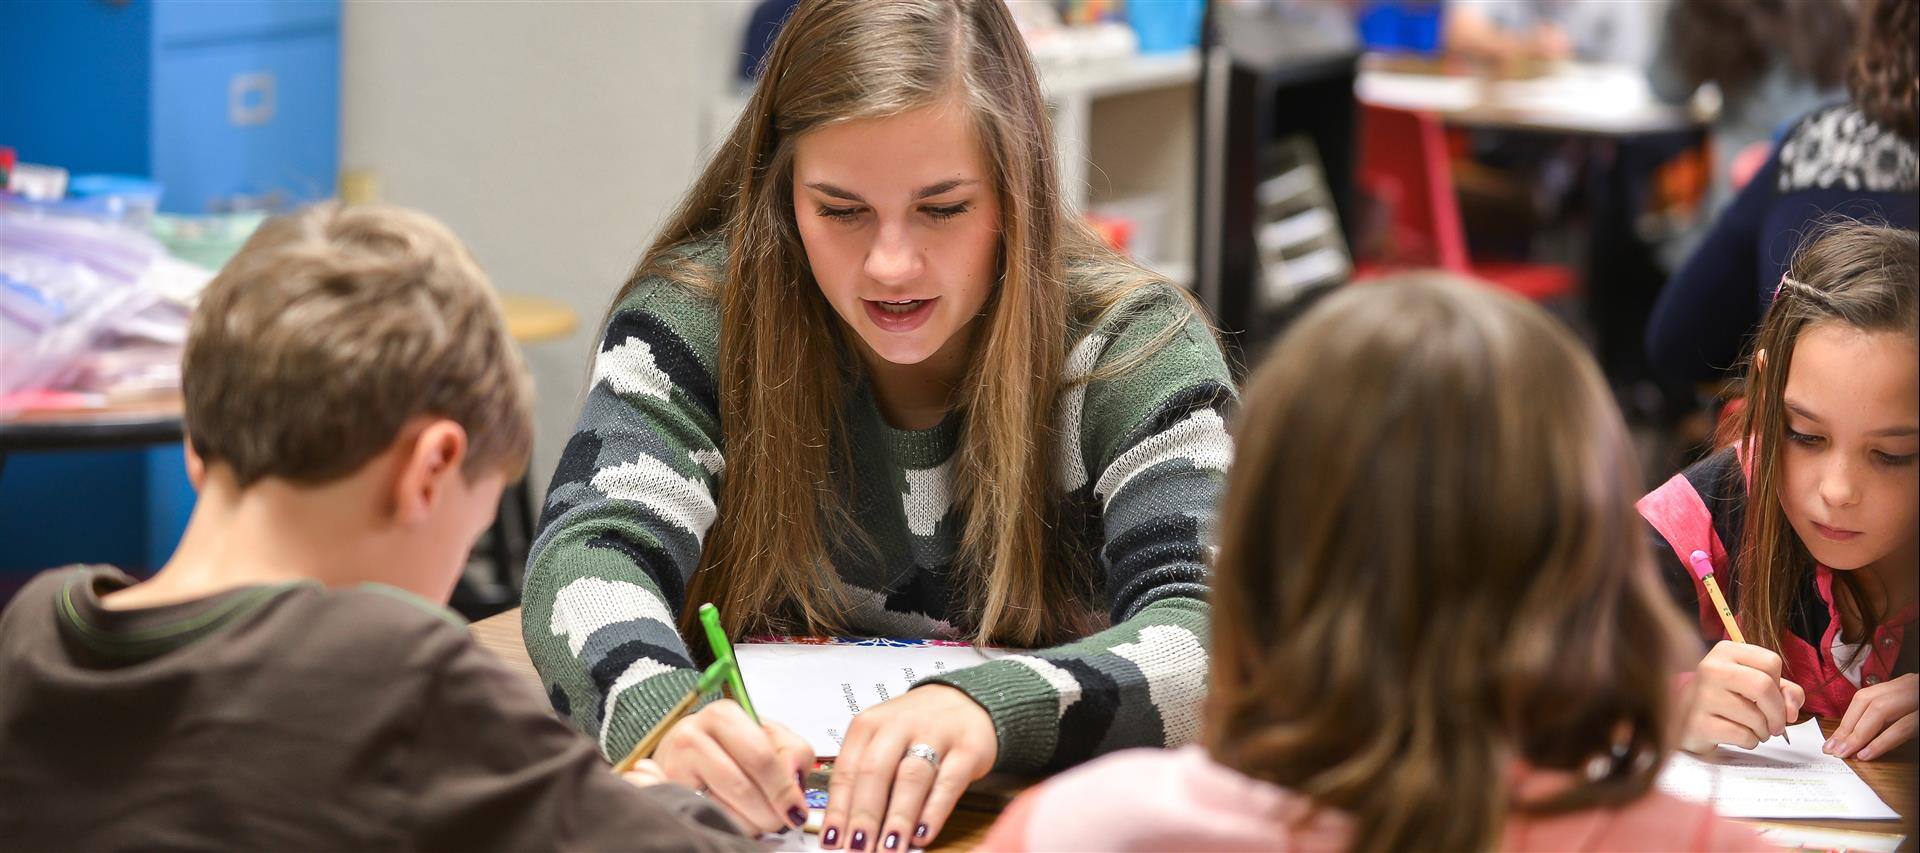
(1125,133)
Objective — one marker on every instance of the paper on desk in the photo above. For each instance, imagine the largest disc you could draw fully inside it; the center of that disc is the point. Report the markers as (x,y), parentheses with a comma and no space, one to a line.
(1775,780)
(816,689)
(1598,91)
(1801,837)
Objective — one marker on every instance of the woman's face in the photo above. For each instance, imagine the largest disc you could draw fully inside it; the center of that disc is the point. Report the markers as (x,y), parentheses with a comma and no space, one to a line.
(901,227)
(1848,465)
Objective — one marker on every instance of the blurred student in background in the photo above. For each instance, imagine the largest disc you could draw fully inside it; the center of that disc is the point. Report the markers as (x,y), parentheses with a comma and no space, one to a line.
(1513,32)
(1857,159)
(1773,61)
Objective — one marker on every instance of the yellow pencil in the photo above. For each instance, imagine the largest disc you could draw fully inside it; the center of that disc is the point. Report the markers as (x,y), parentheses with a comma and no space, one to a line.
(709,680)
(1703,568)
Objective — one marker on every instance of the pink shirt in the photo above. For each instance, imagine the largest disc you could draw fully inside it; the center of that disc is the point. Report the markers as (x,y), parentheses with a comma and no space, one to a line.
(1151,799)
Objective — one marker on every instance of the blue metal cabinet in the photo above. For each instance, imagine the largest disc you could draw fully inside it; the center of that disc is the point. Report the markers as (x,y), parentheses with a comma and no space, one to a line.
(217,99)
(221,101)
(187,22)
(246,119)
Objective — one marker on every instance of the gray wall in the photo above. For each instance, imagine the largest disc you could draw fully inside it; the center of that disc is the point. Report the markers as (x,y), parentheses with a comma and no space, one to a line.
(552,136)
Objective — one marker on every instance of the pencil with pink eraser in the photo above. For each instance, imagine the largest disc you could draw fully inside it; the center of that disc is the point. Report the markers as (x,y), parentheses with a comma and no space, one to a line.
(1703,569)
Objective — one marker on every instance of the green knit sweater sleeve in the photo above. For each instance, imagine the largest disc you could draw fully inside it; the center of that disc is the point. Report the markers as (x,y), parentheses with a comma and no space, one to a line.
(1145,446)
(626,512)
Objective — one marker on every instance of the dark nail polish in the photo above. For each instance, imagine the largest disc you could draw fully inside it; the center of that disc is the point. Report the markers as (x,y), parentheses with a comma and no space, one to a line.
(920,832)
(859,840)
(893,841)
(796,817)
(830,837)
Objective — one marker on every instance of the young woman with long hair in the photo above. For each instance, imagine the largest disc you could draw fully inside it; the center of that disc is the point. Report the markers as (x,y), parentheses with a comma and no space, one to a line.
(874,378)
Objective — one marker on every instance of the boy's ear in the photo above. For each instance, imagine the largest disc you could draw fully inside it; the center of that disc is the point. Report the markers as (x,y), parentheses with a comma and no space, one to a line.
(196,467)
(438,450)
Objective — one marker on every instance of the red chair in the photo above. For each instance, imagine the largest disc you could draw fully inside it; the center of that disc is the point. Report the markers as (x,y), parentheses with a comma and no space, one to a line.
(1404,165)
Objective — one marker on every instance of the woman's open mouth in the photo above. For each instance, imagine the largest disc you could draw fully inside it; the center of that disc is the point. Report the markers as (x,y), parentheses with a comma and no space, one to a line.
(902,315)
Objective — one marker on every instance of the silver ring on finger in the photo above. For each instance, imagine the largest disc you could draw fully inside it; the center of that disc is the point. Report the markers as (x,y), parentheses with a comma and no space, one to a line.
(925,752)
(700,791)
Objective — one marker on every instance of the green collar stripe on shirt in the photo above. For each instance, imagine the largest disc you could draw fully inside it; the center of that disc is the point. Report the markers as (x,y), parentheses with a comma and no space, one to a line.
(398,594)
(168,636)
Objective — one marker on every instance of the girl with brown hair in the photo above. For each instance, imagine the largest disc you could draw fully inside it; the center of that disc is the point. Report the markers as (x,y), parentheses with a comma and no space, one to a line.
(1809,518)
(1434,626)
(874,378)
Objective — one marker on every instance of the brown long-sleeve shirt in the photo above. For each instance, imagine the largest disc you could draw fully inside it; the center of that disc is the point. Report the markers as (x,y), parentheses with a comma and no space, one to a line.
(291,717)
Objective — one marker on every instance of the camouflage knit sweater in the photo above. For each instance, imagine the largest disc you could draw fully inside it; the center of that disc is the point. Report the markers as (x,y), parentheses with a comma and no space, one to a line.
(1141,459)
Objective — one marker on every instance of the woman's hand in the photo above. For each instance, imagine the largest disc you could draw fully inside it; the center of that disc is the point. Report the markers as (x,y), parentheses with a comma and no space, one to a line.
(1739,698)
(1880,718)
(752,770)
(881,797)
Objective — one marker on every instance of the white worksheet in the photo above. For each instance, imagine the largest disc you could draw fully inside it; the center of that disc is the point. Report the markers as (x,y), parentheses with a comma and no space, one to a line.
(1775,780)
(816,689)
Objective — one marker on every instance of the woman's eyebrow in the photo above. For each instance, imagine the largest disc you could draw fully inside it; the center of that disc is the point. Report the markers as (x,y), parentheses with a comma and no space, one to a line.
(943,186)
(924,192)
(829,189)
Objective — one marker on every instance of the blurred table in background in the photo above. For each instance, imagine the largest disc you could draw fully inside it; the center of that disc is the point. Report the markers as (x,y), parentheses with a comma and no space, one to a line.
(532,319)
(1565,98)
(120,424)
(1623,134)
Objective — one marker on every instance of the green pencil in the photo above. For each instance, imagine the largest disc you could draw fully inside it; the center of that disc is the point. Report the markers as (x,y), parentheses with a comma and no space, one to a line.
(717,639)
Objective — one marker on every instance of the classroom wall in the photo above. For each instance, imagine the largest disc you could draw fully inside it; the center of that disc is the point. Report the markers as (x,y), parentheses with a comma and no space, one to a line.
(552,136)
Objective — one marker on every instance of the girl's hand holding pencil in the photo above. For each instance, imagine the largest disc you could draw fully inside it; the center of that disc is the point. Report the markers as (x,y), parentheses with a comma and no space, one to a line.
(1738,695)
(1739,698)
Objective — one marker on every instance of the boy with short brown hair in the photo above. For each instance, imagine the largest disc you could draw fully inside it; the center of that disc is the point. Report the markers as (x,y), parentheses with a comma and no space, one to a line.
(290,680)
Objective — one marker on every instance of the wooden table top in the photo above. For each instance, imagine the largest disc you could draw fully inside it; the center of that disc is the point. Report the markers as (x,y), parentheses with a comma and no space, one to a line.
(532,319)
(1892,778)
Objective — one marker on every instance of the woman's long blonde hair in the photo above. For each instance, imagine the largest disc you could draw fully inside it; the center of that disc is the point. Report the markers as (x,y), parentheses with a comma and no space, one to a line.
(1430,567)
(784,364)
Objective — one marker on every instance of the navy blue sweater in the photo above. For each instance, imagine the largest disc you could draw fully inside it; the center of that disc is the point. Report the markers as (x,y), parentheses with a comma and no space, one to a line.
(1834,162)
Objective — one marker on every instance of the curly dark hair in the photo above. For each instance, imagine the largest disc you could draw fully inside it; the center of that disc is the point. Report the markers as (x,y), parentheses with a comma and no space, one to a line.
(1732,42)
(1884,80)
